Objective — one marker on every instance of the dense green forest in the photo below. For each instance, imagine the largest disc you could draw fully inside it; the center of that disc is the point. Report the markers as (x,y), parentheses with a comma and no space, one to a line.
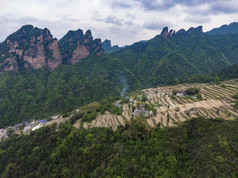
(197,148)
(34,94)
(165,61)
(224,29)
(224,74)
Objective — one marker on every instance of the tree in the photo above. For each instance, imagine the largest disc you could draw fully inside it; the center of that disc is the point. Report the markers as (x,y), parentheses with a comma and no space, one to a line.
(192,91)
(217,80)
(144,97)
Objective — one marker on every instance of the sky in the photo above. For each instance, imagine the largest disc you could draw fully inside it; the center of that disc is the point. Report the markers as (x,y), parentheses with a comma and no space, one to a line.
(122,21)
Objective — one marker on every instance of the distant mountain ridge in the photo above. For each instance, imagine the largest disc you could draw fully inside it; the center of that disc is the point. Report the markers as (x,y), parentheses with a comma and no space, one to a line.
(171,33)
(224,29)
(108,48)
(171,56)
(33,47)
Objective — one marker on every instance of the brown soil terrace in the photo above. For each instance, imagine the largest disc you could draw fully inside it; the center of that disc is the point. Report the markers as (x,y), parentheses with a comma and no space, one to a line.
(216,103)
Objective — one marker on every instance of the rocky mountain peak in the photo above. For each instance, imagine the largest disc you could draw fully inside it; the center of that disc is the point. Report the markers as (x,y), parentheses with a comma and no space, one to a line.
(171,33)
(108,48)
(73,36)
(195,30)
(30,47)
(190,31)
(164,32)
(106,44)
(76,46)
(88,37)
(88,34)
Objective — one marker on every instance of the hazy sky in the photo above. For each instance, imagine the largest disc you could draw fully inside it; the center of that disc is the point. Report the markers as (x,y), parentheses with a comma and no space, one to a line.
(121,21)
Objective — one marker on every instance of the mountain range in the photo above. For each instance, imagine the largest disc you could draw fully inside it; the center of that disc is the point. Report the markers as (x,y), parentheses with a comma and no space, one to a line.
(42,76)
(103,124)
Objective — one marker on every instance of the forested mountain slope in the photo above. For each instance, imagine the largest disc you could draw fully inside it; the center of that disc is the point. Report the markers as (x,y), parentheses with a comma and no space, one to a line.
(33,94)
(198,148)
(164,59)
(224,29)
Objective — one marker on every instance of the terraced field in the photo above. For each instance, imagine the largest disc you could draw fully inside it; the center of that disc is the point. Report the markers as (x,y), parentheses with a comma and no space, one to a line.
(216,103)
(107,120)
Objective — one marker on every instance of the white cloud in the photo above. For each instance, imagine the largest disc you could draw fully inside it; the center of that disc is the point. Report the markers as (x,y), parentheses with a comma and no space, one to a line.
(123,22)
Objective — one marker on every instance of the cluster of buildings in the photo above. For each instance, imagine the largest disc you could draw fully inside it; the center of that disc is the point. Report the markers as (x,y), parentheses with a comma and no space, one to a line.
(24,128)
(34,125)
(140,110)
(3,134)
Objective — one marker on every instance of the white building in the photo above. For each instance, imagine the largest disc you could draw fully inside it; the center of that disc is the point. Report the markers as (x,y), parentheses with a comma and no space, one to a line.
(180,94)
(148,96)
(55,117)
(37,127)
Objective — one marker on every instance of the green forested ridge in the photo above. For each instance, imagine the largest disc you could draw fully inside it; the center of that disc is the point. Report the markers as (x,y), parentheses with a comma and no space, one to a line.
(224,74)
(224,29)
(197,148)
(163,61)
(40,93)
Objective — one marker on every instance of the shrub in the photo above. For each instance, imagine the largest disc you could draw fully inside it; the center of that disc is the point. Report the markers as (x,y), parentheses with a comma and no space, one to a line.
(192,91)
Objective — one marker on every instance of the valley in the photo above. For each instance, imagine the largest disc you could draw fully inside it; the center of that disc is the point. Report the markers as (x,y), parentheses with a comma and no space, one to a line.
(161,108)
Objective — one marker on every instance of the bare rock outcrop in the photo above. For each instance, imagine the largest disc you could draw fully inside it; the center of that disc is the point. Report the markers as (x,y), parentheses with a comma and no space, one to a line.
(76,46)
(29,47)
(165,34)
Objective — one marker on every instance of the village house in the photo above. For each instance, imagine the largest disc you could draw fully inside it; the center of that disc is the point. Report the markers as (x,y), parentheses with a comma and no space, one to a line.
(181,94)
(37,127)
(190,111)
(117,105)
(140,111)
(139,97)
(131,100)
(28,127)
(41,121)
(55,117)
(3,134)
(140,105)
(25,122)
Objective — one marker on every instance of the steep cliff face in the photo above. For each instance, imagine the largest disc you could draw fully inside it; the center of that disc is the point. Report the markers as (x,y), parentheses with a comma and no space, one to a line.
(76,46)
(29,47)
